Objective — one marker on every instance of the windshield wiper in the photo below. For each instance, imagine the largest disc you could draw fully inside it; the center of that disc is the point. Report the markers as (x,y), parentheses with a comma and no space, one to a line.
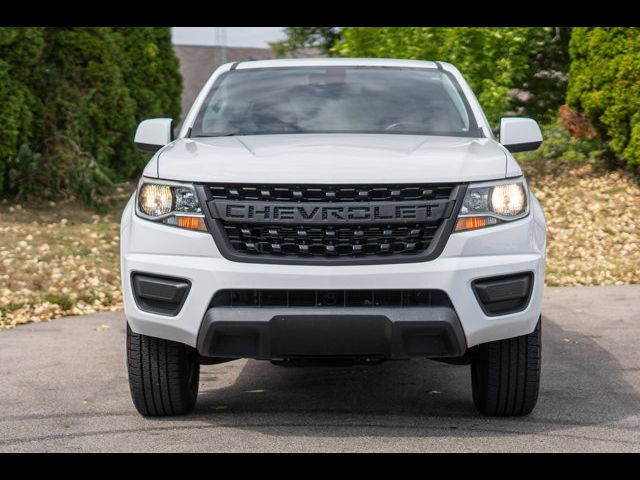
(230,134)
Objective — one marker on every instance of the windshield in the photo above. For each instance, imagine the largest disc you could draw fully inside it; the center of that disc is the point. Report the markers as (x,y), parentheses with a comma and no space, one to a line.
(387,100)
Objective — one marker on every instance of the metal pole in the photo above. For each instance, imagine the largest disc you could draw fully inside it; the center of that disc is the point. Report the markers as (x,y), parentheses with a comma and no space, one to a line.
(221,42)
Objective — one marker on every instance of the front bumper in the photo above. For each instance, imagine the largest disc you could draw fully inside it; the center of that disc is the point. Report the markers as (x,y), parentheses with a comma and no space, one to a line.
(339,332)
(162,250)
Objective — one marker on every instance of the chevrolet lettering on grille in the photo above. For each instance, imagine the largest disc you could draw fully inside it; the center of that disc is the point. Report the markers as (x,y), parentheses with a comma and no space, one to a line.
(330,213)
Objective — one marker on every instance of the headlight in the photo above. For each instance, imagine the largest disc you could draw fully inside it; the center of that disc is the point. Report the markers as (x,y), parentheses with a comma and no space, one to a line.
(170,203)
(492,203)
(155,200)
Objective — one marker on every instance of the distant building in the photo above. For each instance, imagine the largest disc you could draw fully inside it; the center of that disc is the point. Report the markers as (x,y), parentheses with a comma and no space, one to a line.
(197,63)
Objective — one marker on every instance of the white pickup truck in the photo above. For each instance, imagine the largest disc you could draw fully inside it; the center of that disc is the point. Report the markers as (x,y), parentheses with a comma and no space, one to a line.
(334,209)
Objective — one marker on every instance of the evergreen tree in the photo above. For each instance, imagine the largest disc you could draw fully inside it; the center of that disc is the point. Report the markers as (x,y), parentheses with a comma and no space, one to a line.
(604,83)
(20,51)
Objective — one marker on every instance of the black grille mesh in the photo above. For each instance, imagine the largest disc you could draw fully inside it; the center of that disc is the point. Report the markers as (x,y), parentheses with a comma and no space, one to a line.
(330,241)
(256,298)
(330,193)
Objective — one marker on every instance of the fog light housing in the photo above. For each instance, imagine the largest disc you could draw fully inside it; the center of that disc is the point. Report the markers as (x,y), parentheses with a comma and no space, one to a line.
(503,294)
(159,295)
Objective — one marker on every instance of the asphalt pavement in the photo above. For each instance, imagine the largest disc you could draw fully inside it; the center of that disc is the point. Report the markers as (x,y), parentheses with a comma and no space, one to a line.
(63,387)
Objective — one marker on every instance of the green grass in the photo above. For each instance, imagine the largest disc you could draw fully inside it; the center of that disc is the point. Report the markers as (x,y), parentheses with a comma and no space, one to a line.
(64,301)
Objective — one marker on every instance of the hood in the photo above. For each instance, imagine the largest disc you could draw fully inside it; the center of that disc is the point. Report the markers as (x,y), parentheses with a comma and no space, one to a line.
(331,158)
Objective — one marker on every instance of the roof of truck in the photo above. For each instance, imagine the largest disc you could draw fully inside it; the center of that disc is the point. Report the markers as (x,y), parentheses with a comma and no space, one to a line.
(320,62)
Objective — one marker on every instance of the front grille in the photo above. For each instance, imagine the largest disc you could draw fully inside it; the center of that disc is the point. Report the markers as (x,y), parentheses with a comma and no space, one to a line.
(255,298)
(331,193)
(330,241)
(238,213)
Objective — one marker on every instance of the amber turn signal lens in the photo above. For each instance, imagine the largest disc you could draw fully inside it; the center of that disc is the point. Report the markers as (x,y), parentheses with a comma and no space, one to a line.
(472,223)
(192,223)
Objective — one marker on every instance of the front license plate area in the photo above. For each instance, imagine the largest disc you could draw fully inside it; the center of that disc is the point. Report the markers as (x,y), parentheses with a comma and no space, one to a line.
(330,335)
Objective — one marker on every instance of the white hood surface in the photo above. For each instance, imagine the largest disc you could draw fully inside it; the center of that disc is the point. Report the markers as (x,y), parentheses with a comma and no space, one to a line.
(332,159)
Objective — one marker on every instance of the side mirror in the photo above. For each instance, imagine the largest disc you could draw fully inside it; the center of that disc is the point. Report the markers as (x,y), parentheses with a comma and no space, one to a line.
(153,134)
(520,134)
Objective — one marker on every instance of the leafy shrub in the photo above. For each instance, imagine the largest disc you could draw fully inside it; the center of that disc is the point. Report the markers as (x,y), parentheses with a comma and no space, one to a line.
(605,84)
(498,62)
(560,144)
(71,101)
(83,176)
(576,123)
(25,164)
(85,94)
(20,49)
(151,72)
(322,38)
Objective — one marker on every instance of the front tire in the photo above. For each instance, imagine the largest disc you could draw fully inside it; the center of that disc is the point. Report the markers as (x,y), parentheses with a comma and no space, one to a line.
(163,375)
(505,375)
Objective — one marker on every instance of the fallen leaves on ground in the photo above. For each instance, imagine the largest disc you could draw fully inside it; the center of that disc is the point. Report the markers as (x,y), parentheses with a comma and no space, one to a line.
(57,261)
(593,222)
(62,259)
